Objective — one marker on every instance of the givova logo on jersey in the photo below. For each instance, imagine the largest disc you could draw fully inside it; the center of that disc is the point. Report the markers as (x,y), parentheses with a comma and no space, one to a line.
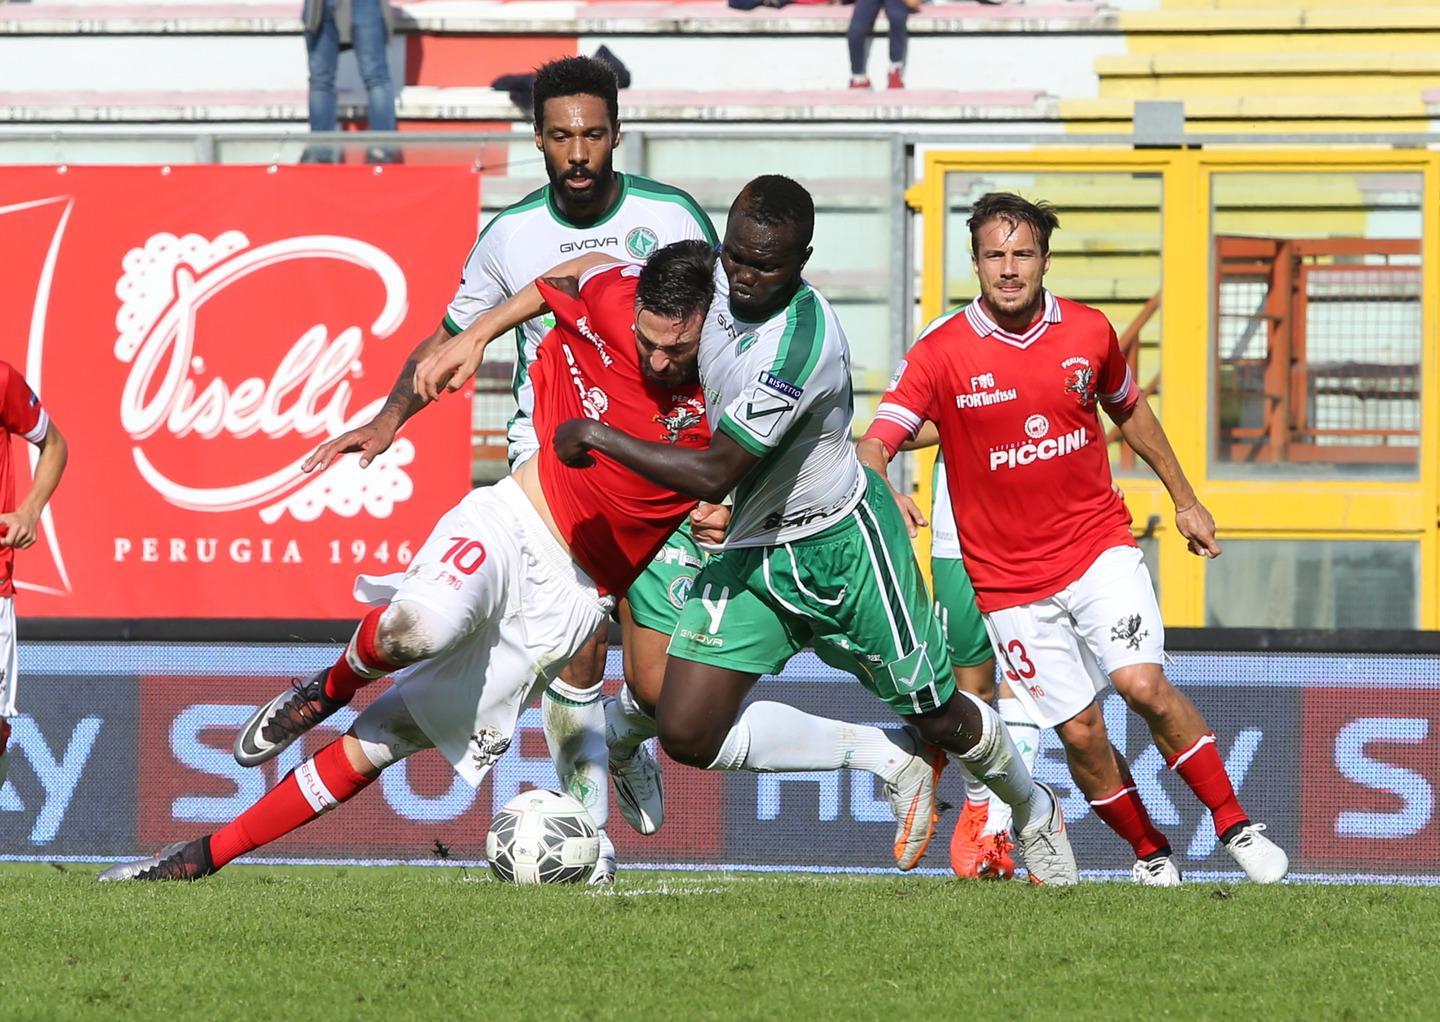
(1040,446)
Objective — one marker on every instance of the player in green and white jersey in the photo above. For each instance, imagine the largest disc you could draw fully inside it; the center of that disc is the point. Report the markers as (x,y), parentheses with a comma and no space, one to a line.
(816,550)
(586,208)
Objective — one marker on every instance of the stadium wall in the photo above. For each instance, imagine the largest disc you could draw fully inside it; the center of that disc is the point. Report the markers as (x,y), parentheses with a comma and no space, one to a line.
(1331,741)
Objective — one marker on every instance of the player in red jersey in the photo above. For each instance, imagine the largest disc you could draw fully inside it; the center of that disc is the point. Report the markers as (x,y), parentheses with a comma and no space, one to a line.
(514,579)
(1013,381)
(21,414)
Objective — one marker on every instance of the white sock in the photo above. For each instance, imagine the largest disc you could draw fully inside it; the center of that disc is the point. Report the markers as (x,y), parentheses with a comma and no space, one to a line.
(1026,736)
(975,790)
(773,737)
(996,761)
(575,732)
(628,724)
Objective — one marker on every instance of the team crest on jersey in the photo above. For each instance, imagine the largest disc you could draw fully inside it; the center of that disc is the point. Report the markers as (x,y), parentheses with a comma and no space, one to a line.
(680,418)
(679,590)
(1037,426)
(595,401)
(746,342)
(641,242)
(1081,381)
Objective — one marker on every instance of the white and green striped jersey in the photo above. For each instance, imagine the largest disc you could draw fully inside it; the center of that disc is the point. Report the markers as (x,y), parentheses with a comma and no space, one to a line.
(781,390)
(525,240)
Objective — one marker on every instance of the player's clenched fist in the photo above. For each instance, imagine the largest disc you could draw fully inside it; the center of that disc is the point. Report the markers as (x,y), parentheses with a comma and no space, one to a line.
(369,441)
(708,523)
(1198,528)
(18,529)
(572,443)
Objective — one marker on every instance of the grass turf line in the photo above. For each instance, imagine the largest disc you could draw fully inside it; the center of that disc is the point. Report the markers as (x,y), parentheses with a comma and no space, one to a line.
(400,944)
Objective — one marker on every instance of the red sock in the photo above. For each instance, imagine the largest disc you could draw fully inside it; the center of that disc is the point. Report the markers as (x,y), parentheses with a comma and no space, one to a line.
(1125,814)
(307,791)
(1200,767)
(4,734)
(343,681)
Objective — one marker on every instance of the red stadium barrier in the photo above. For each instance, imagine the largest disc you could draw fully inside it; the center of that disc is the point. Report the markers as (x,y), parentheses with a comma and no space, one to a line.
(195,332)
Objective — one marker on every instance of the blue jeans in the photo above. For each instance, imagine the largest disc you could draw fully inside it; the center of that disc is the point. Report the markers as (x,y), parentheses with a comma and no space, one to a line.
(862,22)
(368,35)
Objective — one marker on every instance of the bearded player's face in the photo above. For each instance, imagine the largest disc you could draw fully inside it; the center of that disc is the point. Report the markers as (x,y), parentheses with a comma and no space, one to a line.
(1011,268)
(578,140)
(669,349)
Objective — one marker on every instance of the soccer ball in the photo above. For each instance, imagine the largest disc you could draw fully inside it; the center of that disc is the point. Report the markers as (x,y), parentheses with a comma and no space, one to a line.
(542,837)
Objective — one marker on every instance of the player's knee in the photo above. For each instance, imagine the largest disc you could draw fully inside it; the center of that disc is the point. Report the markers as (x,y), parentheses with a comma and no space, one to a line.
(692,745)
(1144,688)
(385,733)
(409,632)
(958,726)
(1084,734)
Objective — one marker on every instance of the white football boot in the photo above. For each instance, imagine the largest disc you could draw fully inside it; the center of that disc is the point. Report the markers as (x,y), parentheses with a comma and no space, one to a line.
(639,787)
(911,794)
(1046,847)
(1263,861)
(1159,872)
(604,874)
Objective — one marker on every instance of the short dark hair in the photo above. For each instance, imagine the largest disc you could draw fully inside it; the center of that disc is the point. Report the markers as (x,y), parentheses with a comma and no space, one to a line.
(575,76)
(776,200)
(1012,210)
(678,281)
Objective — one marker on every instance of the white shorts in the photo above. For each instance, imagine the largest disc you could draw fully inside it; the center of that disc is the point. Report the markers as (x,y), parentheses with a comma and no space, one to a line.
(1058,653)
(491,568)
(9,661)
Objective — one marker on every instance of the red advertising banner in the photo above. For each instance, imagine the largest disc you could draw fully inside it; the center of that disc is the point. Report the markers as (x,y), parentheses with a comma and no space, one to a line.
(194,332)
(1369,777)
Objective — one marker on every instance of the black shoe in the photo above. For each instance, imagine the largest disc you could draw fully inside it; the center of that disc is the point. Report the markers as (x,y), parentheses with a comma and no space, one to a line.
(186,860)
(283,719)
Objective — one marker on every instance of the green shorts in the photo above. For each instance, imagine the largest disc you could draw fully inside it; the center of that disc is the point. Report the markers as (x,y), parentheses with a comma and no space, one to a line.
(853,590)
(955,604)
(662,588)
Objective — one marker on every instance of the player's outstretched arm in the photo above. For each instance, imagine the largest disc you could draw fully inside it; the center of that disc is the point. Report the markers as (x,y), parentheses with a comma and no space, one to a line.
(875,455)
(1143,432)
(22,524)
(709,474)
(450,367)
(375,437)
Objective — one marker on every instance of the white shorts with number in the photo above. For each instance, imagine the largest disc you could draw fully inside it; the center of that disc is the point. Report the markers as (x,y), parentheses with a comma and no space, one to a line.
(9,662)
(491,569)
(1058,653)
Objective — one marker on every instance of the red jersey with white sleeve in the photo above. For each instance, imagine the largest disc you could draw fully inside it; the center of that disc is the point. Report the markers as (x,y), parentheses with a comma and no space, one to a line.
(589,367)
(1028,472)
(20,415)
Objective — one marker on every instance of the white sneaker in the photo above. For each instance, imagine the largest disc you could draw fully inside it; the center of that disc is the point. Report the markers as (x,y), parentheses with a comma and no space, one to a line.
(1160,872)
(912,799)
(1263,861)
(1046,847)
(639,787)
(604,874)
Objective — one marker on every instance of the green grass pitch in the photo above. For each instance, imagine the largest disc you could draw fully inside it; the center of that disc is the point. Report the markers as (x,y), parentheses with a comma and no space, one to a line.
(262,943)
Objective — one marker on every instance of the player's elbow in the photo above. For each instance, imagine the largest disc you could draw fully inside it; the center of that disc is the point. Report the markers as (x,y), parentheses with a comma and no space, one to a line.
(712,491)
